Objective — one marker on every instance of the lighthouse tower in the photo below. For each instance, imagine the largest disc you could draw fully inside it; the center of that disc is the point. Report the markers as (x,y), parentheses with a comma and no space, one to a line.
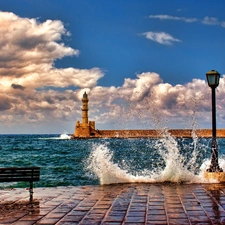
(85,109)
(86,128)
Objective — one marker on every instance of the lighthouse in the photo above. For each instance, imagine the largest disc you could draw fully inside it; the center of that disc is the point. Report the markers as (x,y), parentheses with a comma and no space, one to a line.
(85,109)
(86,128)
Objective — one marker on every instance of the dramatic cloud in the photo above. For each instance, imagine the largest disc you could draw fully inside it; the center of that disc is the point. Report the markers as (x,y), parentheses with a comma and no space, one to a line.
(28,51)
(161,37)
(31,84)
(168,17)
(35,94)
(149,102)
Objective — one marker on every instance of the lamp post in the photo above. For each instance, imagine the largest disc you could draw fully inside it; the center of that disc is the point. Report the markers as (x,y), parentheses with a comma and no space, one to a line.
(213,78)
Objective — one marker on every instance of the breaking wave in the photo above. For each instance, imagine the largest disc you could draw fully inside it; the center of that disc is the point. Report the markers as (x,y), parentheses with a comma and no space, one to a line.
(61,137)
(181,162)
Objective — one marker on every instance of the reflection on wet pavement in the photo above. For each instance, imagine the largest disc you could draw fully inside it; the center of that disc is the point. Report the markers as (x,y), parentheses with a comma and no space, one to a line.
(132,204)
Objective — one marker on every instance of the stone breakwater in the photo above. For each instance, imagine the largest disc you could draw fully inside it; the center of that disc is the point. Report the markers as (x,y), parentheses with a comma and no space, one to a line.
(184,133)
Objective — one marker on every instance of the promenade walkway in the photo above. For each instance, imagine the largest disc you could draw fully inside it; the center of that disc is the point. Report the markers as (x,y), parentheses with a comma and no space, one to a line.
(130,204)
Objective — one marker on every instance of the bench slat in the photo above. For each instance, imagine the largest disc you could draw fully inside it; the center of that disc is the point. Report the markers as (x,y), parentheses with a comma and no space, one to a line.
(17,179)
(19,174)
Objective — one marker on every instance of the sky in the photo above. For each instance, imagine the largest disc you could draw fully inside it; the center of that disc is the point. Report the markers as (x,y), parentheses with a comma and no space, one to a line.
(141,62)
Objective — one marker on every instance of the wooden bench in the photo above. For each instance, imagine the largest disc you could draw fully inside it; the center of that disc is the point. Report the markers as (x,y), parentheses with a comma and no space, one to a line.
(15,174)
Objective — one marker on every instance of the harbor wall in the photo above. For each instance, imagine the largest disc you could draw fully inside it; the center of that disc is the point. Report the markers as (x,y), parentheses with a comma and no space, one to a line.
(185,133)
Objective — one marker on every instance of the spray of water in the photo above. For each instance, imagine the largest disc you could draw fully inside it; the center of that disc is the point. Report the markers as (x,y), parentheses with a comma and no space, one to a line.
(175,170)
(101,164)
(177,167)
(63,136)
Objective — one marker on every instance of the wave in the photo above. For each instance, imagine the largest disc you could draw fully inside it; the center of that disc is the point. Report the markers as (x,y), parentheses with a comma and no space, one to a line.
(61,137)
(176,167)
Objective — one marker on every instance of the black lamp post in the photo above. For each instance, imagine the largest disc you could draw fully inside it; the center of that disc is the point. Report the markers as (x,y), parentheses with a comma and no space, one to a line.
(213,78)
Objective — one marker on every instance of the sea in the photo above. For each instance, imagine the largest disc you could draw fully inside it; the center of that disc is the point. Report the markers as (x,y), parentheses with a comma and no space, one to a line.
(78,162)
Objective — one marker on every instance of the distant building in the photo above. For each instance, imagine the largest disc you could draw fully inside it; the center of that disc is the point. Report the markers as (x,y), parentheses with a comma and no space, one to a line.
(85,128)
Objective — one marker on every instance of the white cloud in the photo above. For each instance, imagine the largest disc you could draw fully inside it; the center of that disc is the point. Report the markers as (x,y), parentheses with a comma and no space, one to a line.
(28,51)
(213,21)
(161,37)
(147,101)
(158,104)
(206,20)
(168,17)
(210,21)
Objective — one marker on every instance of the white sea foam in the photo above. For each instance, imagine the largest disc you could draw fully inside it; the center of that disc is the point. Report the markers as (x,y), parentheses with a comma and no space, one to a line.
(101,163)
(178,168)
(61,137)
(65,136)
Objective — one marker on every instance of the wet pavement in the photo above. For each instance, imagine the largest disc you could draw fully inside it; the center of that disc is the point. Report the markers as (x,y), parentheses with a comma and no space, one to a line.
(130,204)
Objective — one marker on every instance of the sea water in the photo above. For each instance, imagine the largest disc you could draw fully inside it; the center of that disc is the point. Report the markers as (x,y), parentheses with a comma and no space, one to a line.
(66,162)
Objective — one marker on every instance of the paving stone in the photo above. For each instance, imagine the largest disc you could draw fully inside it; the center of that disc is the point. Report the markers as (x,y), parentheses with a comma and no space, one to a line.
(173,210)
(138,209)
(77,213)
(135,219)
(197,218)
(157,217)
(67,223)
(177,216)
(135,223)
(48,221)
(157,223)
(116,218)
(179,221)
(28,222)
(89,222)
(136,214)
(72,218)
(157,212)
(8,220)
(111,223)
(119,204)
(98,211)
(156,207)
(31,217)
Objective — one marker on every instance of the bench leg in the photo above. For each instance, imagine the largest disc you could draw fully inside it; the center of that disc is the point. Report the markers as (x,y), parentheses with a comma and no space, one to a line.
(31,191)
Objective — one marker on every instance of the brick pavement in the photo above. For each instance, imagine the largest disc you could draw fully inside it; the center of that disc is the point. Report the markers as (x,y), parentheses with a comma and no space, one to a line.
(130,204)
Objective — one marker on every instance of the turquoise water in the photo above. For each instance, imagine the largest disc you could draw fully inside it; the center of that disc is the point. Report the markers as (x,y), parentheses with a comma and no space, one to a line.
(66,162)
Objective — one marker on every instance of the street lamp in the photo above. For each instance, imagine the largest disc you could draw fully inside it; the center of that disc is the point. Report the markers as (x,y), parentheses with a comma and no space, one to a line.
(213,78)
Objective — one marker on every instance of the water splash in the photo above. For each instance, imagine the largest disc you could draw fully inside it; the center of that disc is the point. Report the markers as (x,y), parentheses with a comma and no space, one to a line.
(101,164)
(61,137)
(177,166)
(64,136)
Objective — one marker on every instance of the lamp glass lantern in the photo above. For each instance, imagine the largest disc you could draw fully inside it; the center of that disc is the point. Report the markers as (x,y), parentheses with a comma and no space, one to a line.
(213,78)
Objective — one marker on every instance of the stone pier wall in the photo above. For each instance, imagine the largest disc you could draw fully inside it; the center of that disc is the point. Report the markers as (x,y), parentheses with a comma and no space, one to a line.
(185,133)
